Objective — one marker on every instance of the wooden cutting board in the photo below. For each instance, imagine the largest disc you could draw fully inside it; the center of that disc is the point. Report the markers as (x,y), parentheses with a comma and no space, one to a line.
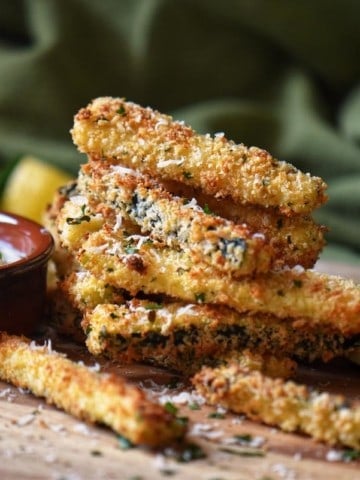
(38,441)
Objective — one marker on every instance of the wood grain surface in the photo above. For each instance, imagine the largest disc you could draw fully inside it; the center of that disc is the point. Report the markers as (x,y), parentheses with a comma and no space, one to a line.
(38,441)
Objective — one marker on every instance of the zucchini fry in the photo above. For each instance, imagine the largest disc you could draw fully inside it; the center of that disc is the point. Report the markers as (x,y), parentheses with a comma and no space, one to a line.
(78,291)
(64,317)
(94,397)
(62,258)
(174,222)
(183,337)
(305,295)
(141,138)
(85,291)
(285,404)
(296,240)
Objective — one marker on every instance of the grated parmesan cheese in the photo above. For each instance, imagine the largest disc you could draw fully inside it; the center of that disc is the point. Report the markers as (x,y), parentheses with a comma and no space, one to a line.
(79,200)
(123,170)
(166,163)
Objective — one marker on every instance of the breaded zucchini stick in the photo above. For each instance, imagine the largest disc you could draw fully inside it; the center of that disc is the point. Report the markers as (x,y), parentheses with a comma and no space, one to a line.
(92,396)
(85,291)
(141,138)
(78,291)
(285,404)
(296,240)
(62,258)
(140,265)
(175,222)
(267,364)
(184,337)
(63,316)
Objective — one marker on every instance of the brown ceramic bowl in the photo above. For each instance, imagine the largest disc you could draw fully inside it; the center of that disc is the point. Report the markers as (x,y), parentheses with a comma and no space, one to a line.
(26,247)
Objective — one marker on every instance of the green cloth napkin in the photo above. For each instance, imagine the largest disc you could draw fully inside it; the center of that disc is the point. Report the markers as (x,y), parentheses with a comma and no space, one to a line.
(278,74)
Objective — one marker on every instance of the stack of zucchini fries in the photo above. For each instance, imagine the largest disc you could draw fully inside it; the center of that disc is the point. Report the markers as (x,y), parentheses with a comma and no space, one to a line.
(193,253)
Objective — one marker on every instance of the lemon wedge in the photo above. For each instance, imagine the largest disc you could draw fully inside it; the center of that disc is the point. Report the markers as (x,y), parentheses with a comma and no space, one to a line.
(30,187)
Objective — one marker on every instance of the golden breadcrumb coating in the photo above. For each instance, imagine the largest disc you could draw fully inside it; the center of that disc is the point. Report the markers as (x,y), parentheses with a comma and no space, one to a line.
(296,240)
(270,365)
(62,258)
(63,316)
(125,133)
(85,291)
(136,264)
(184,337)
(75,293)
(285,404)
(89,395)
(174,221)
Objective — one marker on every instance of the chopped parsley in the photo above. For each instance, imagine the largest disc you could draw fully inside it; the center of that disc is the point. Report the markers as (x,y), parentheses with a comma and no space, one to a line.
(350,455)
(243,452)
(200,297)
(130,250)
(171,408)
(218,415)
(124,443)
(187,453)
(96,453)
(298,283)
(187,175)
(207,210)
(182,420)
(243,438)
(77,220)
(153,306)
(121,110)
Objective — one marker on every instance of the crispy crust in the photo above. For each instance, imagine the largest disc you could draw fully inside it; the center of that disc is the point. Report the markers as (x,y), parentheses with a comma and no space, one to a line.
(175,222)
(94,397)
(295,240)
(305,295)
(62,258)
(290,406)
(136,137)
(185,337)
(76,292)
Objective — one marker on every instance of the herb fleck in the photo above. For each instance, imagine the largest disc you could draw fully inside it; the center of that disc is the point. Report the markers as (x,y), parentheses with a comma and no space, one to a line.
(124,443)
(243,438)
(244,452)
(200,297)
(77,220)
(207,210)
(218,415)
(187,175)
(96,453)
(129,250)
(349,455)
(171,408)
(153,306)
(189,452)
(121,110)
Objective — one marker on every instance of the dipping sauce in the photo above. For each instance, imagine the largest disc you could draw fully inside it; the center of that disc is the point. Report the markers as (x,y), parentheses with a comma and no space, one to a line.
(8,253)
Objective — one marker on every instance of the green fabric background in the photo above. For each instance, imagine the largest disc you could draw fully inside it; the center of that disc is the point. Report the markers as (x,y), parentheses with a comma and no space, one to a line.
(279,74)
